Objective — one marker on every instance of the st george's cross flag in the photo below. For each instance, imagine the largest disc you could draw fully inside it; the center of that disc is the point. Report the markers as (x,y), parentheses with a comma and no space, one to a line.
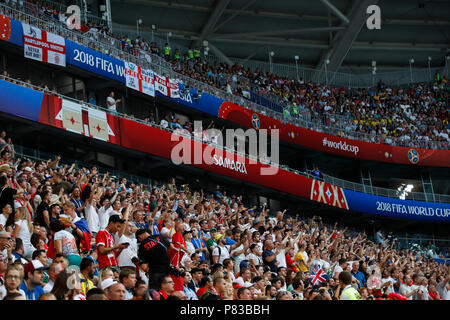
(43,46)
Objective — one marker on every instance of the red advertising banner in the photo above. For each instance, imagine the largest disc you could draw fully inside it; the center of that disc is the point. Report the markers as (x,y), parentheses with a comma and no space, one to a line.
(334,144)
(67,116)
(222,162)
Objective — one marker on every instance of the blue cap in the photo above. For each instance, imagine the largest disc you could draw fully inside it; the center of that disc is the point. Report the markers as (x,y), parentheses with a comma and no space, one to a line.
(243,264)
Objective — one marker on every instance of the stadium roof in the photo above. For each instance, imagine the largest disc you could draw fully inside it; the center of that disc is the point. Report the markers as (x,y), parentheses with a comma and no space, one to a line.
(313,30)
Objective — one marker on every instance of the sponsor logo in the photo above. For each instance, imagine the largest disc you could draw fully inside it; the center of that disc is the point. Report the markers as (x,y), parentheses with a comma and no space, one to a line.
(255,121)
(186,96)
(230,164)
(413,156)
(340,146)
(233,156)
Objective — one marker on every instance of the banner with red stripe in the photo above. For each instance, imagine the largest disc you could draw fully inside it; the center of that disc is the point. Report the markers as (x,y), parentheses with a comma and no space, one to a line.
(43,46)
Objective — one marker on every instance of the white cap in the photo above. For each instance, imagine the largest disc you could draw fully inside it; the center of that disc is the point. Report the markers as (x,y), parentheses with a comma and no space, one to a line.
(108,283)
(241,282)
(165,231)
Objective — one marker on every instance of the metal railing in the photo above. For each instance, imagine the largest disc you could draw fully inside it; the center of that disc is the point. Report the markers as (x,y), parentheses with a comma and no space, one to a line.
(100,42)
(61,7)
(113,47)
(329,179)
(339,79)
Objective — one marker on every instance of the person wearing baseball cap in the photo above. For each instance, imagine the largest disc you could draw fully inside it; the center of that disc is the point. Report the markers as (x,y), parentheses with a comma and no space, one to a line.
(33,276)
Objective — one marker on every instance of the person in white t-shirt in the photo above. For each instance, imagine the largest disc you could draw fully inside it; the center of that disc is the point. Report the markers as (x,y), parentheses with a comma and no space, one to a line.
(238,254)
(92,217)
(255,255)
(187,239)
(417,286)
(406,288)
(387,282)
(125,258)
(104,213)
(64,241)
(222,251)
(165,122)
(443,287)
(23,228)
(6,211)
(111,103)
(342,264)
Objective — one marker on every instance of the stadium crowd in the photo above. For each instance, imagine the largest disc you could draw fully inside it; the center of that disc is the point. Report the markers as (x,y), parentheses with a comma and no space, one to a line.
(414,116)
(71,233)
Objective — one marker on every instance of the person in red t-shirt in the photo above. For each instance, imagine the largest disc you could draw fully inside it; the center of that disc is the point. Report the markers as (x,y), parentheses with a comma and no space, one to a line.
(178,245)
(205,285)
(107,251)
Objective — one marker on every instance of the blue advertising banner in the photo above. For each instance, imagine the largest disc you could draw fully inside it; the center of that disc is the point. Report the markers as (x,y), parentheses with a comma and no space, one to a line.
(95,62)
(206,102)
(20,101)
(397,208)
(265,102)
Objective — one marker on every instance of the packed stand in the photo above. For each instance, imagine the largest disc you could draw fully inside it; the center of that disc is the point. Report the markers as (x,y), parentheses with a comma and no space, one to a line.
(70,233)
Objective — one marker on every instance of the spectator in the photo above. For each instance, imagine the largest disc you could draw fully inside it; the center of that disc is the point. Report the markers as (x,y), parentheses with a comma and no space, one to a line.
(47,296)
(128,279)
(205,285)
(358,274)
(23,229)
(96,294)
(13,278)
(53,271)
(154,253)
(86,275)
(166,287)
(347,291)
(190,293)
(107,251)
(317,174)
(31,285)
(115,291)
(244,293)
(111,103)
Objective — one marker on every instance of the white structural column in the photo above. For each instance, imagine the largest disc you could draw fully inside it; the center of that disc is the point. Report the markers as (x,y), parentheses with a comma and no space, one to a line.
(344,39)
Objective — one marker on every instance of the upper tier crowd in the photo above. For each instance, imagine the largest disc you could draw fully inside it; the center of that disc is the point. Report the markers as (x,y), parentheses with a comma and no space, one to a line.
(71,233)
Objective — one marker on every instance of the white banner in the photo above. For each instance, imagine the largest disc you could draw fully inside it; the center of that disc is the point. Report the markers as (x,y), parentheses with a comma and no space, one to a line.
(43,46)
(98,124)
(174,91)
(71,117)
(140,79)
(160,84)
(168,87)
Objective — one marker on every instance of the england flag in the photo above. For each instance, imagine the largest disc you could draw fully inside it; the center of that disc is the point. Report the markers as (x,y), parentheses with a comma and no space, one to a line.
(43,46)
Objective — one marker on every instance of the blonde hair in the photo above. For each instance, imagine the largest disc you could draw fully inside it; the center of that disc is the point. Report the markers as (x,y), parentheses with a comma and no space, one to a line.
(26,216)
(14,267)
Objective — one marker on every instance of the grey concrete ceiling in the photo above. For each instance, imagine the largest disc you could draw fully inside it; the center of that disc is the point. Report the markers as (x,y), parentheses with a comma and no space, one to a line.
(310,29)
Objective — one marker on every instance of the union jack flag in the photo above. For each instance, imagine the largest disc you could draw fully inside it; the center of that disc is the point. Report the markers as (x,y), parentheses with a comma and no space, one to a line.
(318,275)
